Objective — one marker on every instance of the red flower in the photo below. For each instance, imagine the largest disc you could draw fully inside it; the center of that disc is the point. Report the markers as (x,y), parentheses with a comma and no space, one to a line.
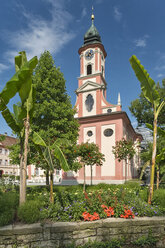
(109,211)
(128,214)
(89,217)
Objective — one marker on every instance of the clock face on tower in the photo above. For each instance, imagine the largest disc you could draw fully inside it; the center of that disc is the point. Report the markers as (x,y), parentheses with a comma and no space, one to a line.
(89,54)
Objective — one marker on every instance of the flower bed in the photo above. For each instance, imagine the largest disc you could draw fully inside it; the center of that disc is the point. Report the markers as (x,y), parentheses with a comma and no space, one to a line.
(72,204)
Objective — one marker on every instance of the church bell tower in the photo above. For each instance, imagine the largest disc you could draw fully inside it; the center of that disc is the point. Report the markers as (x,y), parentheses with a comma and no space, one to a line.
(91,92)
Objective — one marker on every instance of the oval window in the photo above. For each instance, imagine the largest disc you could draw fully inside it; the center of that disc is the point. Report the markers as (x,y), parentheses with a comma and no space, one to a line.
(90,133)
(109,110)
(108,132)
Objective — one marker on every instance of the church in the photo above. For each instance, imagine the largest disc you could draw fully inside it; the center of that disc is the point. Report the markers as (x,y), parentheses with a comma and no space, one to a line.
(101,122)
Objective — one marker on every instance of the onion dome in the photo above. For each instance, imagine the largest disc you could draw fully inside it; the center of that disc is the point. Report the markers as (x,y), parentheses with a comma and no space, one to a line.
(92,35)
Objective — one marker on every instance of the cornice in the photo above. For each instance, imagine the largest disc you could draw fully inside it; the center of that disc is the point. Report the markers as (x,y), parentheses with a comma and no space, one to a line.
(81,49)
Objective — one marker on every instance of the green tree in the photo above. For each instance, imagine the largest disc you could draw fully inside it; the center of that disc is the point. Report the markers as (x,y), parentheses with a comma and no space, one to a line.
(148,87)
(142,109)
(53,114)
(19,120)
(49,153)
(124,150)
(89,154)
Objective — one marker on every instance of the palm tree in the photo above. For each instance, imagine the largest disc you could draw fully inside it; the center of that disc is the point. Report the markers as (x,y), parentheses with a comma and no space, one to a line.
(49,153)
(148,86)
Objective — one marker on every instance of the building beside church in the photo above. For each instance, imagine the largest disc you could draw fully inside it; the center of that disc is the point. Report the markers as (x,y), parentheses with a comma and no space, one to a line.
(101,122)
(5,165)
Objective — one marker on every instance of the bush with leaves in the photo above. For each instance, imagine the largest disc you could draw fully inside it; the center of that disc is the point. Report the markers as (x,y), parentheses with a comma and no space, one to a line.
(8,206)
(29,212)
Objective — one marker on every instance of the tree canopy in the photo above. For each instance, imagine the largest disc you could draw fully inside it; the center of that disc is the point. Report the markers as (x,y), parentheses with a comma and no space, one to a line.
(53,114)
(142,110)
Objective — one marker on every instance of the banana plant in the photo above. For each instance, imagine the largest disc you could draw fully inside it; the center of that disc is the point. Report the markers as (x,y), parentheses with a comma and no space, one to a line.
(148,86)
(19,121)
(48,153)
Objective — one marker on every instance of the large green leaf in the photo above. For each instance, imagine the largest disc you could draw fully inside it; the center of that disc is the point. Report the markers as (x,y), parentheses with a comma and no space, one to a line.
(48,158)
(20,82)
(38,140)
(160,156)
(60,142)
(20,60)
(60,156)
(148,85)
(8,116)
(56,151)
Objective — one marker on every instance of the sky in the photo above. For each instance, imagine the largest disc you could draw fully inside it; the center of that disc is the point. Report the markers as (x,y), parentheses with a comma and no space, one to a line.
(126,27)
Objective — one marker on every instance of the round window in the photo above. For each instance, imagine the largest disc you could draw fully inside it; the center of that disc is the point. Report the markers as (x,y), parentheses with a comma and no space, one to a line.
(108,132)
(89,133)
(109,110)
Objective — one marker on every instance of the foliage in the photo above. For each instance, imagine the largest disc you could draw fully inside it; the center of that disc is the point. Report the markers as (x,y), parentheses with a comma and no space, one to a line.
(123,150)
(19,83)
(114,243)
(142,110)
(159,198)
(50,154)
(72,204)
(141,209)
(144,241)
(29,212)
(53,114)
(8,205)
(89,154)
(19,121)
(148,87)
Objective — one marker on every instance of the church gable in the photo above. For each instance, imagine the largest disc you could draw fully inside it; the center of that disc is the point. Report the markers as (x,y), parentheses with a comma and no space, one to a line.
(89,86)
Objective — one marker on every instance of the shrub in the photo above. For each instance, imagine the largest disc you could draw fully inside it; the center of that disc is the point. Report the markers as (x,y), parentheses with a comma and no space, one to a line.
(8,206)
(141,208)
(143,194)
(29,212)
(159,198)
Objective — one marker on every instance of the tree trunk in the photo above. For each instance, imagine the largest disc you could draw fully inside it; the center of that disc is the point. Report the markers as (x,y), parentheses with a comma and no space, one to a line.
(24,163)
(152,172)
(21,172)
(47,177)
(91,173)
(51,187)
(84,178)
(157,178)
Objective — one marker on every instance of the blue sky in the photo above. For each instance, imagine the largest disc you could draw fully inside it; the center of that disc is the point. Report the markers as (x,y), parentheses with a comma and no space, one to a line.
(126,27)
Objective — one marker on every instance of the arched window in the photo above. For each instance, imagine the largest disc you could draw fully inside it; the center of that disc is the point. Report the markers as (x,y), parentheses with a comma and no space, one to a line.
(89,102)
(89,69)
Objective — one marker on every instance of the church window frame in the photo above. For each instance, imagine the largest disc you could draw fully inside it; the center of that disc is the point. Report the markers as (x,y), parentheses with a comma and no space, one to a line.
(89,102)
(108,132)
(89,133)
(89,69)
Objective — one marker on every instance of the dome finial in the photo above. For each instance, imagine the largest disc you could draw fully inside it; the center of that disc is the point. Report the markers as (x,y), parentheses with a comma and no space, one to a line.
(92,16)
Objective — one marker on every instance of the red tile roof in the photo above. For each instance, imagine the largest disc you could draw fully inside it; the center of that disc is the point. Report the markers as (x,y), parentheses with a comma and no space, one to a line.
(8,141)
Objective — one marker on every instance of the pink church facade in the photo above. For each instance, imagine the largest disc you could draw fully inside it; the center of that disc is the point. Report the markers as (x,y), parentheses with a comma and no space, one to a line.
(101,122)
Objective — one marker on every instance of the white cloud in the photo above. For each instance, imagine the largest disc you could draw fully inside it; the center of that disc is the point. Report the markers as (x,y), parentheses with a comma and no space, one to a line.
(141,42)
(84,12)
(3,67)
(42,34)
(160,75)
(117,14)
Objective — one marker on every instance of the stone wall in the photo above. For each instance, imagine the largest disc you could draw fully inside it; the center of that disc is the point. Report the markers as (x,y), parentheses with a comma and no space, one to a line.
(60,234)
